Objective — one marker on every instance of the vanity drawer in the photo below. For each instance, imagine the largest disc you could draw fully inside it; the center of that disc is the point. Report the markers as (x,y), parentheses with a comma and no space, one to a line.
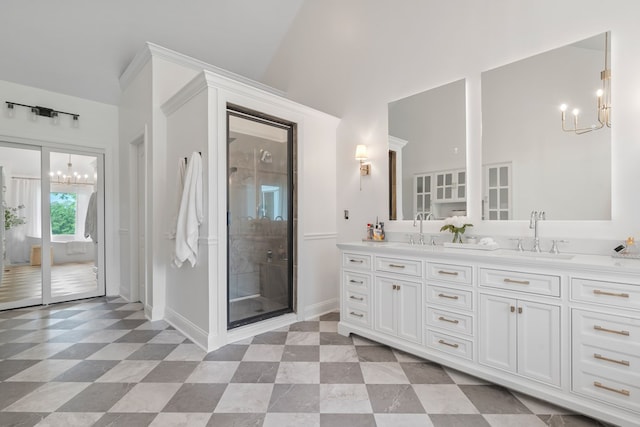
(461,274)
(356,280)
(357,297)
(624,393)
(399,265)
(610,293)
(457,298)
(454,322)
(449,344)
(356,261)
(616,365)
(357,315)
(519,281)
(615,333)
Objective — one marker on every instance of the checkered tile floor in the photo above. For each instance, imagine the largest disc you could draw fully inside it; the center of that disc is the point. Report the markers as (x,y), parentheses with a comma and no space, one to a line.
(99,362)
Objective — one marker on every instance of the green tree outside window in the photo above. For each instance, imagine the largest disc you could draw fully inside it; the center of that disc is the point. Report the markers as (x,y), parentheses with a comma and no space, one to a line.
(63,213)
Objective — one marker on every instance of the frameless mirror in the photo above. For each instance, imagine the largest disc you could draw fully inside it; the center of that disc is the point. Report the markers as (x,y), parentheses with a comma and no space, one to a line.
(529,162)
(427,154)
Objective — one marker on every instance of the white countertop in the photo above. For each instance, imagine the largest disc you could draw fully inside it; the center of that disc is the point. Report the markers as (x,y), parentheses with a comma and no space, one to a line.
(596,263)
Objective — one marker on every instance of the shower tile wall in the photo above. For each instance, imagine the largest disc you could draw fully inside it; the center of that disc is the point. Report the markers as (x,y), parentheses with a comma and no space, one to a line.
(248,246)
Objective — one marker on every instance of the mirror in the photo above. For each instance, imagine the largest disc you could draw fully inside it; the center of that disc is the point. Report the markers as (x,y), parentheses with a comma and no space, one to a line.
(427,154)
(529,162)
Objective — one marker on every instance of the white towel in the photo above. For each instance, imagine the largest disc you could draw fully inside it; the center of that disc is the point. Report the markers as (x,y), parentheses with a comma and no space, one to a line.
(190,215)
(182,168)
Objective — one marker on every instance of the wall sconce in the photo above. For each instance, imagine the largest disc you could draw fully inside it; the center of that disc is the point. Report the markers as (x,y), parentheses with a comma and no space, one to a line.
(361,155)
(36,111)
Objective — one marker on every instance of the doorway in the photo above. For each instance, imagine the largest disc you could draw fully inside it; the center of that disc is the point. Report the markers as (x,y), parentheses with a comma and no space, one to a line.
(260,212)
(52,233)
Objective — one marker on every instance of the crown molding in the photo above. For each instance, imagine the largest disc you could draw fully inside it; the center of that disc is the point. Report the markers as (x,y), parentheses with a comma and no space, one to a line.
(153,50)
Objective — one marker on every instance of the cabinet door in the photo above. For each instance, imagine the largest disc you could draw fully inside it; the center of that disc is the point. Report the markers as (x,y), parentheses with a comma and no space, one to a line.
(539,341)
(384,313)
(497,336)
(461,186)
(409,311)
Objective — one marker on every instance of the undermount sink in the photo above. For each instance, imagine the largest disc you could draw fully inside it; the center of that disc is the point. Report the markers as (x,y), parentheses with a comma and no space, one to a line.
(547,255)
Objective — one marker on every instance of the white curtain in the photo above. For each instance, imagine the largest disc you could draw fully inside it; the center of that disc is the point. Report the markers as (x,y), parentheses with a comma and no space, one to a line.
(25,192)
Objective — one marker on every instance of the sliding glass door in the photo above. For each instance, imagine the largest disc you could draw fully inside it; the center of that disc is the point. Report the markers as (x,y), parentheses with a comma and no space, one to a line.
(52,229)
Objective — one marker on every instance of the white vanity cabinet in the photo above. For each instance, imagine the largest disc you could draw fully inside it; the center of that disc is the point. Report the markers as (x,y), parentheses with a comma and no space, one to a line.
(606,341)
(565,331)
(398,296)
(520,336)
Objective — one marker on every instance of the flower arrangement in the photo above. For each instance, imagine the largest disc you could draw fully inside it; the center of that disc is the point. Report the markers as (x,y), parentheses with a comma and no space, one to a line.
(456,225)
(11,217)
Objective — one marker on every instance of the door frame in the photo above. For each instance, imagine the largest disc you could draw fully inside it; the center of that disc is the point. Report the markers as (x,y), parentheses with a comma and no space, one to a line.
(45,148)
(136,263)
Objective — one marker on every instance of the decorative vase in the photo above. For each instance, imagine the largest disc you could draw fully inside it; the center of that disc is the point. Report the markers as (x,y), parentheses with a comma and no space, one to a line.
(457,237)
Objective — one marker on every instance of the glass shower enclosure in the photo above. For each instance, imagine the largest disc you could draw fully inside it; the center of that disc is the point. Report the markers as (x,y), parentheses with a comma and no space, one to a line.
(260,222)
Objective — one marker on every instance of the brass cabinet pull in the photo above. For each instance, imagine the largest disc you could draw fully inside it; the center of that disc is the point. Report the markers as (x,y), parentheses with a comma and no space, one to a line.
(395,287)
(611,331)
(358,261)
(360,282)
(449,344)
(513,309)
(519,310)
(397,265)
(444,319)
(356,298)
(357,314)
(448,296)
(611,294)
(450,273)
(620,362)
(518,282)
(615,390)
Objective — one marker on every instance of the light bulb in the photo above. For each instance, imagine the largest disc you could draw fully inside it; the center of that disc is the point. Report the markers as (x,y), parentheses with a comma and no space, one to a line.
(563,107)
(576,112)
(59,173)
(599,93)
(55,118)
(11,111)
(51,174)
(75,174)
(34,114)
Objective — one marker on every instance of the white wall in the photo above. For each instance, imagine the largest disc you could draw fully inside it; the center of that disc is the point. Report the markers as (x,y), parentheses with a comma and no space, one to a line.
(352,58)
(98,129)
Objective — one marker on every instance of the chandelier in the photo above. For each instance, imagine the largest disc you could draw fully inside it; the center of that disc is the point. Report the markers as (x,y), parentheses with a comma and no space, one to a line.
(603,100)
(70,176)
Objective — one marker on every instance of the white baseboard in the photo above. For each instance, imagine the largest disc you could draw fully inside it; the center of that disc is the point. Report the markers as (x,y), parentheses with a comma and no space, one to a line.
(243,332)
(188,328)
(324,307)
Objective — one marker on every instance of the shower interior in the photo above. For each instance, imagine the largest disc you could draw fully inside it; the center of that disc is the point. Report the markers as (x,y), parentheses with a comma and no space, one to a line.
(260,228)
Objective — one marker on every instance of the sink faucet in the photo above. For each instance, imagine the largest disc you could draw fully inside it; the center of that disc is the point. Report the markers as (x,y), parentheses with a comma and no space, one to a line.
(533,223)
(420,216)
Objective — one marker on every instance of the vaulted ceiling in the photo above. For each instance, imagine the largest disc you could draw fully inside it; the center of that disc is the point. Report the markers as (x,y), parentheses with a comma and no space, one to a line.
(81,47)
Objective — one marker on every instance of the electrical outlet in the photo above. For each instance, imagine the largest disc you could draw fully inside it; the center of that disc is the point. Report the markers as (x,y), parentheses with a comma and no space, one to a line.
(346,214)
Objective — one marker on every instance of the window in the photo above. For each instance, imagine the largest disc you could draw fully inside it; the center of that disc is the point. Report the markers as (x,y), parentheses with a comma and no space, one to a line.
(64,208)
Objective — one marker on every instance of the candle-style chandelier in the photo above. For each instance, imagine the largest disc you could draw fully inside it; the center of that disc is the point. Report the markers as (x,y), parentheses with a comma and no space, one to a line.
(603,100)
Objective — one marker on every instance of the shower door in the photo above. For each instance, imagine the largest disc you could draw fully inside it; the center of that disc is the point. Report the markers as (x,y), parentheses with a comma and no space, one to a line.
(260,217)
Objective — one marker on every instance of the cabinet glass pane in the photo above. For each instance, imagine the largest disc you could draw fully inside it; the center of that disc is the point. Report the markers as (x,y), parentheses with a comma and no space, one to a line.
(427,184)
(461,177)
(504,198)
(419,203)
(427,202)
(448,179)
(461,191)
(420,184)
(440,180)
(493,215)
(504,176)
(493,177)
(504,215)
(447,193)
(493,199)
(440,194)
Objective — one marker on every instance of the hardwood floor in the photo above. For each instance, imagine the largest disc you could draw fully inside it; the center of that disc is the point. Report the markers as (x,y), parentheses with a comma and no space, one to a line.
(25,281)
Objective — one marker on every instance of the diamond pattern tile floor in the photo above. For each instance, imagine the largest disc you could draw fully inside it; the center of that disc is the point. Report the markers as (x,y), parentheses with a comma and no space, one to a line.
(99,362)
